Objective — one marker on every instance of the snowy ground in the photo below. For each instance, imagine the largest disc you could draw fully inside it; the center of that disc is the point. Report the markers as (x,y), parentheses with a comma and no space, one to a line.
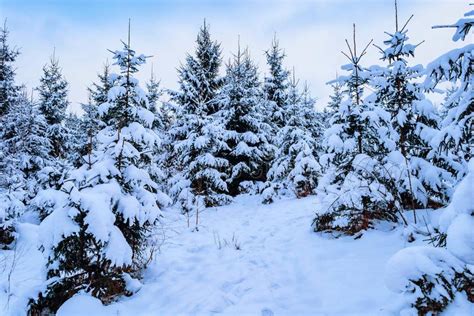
(280,268)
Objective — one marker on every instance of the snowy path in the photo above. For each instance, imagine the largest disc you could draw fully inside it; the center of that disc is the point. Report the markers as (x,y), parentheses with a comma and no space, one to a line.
(282,268)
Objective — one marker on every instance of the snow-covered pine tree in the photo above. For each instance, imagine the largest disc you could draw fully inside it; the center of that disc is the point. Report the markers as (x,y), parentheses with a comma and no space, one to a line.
(75,141)
(53,103)
(453,145)
(295,167)
(316,120)
(246,133)
(154,92)
(335,100)
(446,275)
(96,232)
(275,87)
(8,89)
(26,148)
(195,137)
(353,191)
(414,122)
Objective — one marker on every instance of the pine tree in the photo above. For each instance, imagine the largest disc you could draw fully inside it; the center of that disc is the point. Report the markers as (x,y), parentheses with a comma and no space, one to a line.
(194,135)
(452,146)
(96,231)
(74,143)
(53,103)
(26,148)
(295,167)
(354,191)
(246,133)
(335,100)
(275,86)
(154,92)
(8,89)
(414,122)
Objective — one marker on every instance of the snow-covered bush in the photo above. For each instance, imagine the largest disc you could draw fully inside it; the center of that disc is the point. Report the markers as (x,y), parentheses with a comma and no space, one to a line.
(428,277)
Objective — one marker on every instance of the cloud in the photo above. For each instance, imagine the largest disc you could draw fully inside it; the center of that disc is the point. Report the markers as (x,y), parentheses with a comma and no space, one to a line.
(311,32)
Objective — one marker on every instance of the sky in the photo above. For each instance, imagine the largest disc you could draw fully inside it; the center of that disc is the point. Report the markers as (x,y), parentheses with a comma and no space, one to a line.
(312,33)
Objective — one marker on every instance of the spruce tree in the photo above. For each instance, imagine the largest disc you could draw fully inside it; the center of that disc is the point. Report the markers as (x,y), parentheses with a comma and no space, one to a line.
(335,100)
(452,146)
(194,135)
(413,122)
(95,234)
(8,89)
(275,86)
(53,103)
(295,167)
(26,148)
(246,133)
(354,190)
(154,92)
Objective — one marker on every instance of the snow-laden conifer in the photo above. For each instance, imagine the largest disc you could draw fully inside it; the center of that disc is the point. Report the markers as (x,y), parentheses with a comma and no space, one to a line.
(26,148)
(453,144)
(354,191)
(295,167)
(8,88)
(246,133)
(53,102)
(413,122)
(96,232)
(195,136)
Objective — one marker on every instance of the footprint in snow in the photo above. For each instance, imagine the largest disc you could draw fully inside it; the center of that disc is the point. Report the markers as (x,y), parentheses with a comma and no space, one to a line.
(267,312)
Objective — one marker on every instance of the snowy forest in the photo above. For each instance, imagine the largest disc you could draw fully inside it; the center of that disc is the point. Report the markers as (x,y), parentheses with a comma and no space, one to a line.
(233,194)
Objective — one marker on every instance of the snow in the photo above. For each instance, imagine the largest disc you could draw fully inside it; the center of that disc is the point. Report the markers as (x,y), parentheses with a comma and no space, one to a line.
(282,267)
(246,259)
(81,304)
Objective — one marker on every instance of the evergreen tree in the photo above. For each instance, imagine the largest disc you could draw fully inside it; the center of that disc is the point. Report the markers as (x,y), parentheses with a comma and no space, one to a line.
(354,191)
(414,122)
(96,231)
(446,274)
(246,133)
(26,148)
(275,86)
(295,166)
(53,103)
(452,146)
(194,135)
(74,143)
(335,100)
(154,92)
(8,89)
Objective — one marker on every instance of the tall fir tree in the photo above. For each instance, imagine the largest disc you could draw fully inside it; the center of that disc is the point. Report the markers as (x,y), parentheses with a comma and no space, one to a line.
(26,148)
(154,92)
(53,103)
(276,86)
(414,122)
(354,192)
(295,167)
(452,146)
(194,135)
(96,232)
(446,275)
(246,134)
(8,89)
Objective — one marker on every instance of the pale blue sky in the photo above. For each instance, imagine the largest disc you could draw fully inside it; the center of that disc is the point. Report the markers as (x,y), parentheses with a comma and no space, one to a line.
(311,32)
